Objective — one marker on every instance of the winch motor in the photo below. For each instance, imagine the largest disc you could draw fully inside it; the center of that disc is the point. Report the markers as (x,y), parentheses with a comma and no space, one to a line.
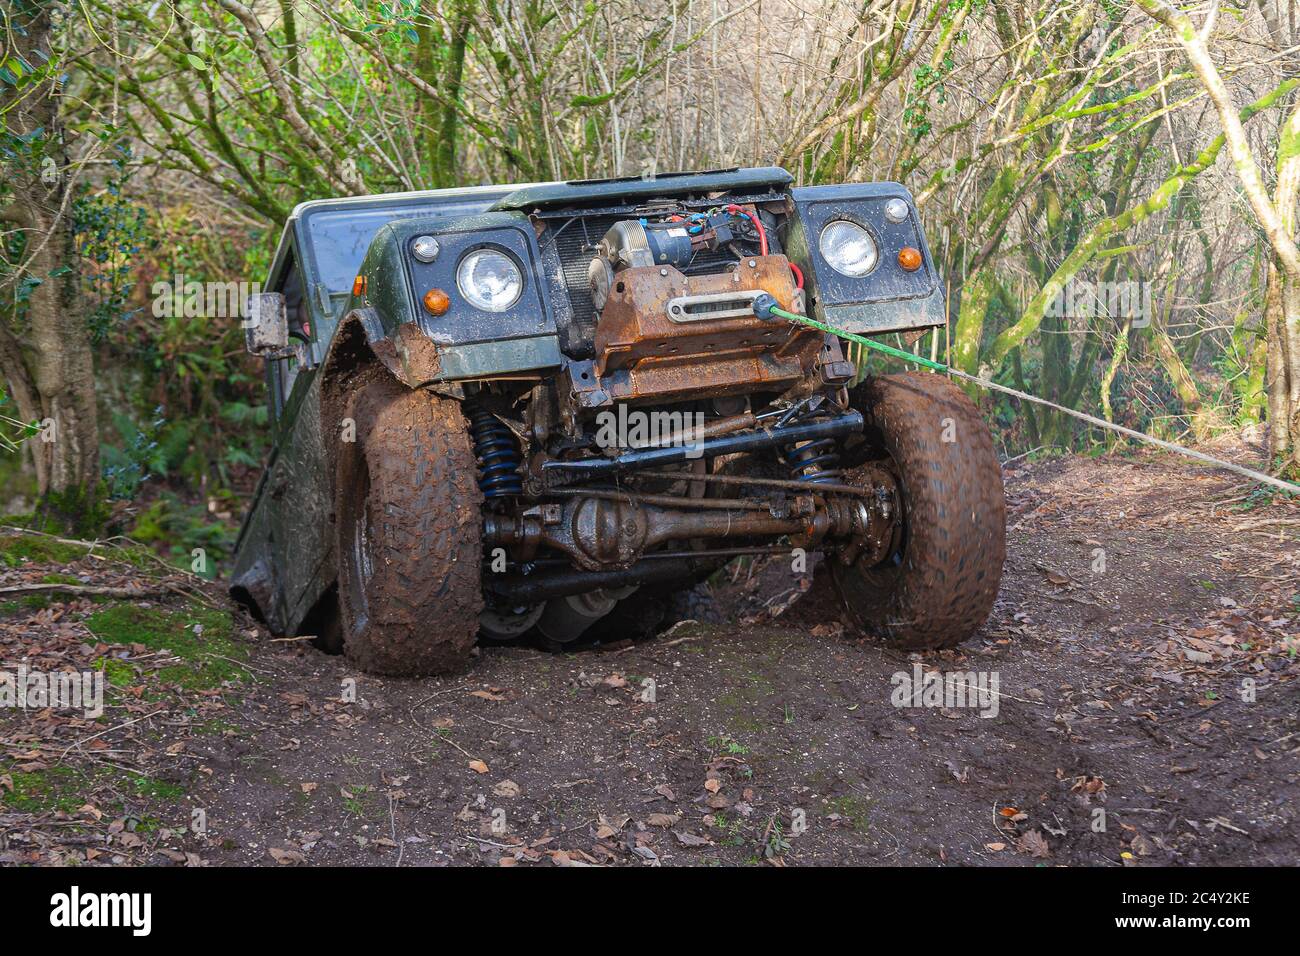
(639,242)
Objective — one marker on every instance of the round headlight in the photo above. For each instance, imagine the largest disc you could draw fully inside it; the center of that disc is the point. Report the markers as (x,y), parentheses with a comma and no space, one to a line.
(490,280)
(848,248)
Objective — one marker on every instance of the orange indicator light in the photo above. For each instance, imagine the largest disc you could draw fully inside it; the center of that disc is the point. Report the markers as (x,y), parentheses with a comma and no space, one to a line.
(909,258)
(436,302)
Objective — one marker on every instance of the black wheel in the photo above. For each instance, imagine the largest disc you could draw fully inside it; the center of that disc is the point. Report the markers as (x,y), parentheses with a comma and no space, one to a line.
(409,533)
(939,578)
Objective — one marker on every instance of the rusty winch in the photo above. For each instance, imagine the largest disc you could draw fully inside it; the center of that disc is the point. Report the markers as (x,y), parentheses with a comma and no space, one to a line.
(666,331)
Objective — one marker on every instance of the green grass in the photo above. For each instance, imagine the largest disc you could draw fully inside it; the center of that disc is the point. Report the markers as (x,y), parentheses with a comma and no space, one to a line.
(359,800)
(744,694)
(44,791)
(18,549)
(28,602)
(116,672)
(59,578)
(215,727)
(728,745)
(67,790)
(155,789)
(853,809)
(733,829)
(208,660)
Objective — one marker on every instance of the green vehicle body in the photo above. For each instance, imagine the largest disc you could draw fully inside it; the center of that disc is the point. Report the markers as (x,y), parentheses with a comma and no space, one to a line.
(353,293)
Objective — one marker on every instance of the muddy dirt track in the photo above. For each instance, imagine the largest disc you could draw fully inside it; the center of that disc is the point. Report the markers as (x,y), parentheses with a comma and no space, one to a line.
(1142,603)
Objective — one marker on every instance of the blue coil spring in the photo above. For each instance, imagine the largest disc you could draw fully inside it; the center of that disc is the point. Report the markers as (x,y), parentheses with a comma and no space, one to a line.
(498,455)
(814,461)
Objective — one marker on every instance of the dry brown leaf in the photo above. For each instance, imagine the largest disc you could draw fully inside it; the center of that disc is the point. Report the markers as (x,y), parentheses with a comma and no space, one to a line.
(1034,844)
(690,839)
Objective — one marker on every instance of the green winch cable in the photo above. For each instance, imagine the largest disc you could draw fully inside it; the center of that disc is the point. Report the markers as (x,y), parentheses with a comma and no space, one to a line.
(861,340)
(764,307)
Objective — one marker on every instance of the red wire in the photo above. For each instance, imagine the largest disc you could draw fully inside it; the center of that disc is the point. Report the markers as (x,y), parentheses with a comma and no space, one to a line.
(798,275)
(762,233)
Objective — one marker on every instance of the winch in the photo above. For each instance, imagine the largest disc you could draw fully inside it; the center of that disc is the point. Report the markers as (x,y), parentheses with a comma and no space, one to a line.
(672,241)
(664,330)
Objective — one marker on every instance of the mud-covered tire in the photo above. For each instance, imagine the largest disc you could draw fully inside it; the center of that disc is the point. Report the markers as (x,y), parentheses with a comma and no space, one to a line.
(938,584)
(408,532)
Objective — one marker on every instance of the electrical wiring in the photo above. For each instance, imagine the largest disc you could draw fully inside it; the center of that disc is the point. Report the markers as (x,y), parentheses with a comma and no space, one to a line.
(762,233)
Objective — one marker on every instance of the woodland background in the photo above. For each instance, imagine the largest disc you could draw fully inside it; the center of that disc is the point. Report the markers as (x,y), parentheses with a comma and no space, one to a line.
(1044,141)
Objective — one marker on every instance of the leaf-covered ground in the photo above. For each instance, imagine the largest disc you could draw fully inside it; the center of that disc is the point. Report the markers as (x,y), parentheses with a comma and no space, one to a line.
(1143,602)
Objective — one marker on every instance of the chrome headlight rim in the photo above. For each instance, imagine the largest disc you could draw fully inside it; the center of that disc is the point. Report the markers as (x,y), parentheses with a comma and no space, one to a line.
(465,266)
(864,265)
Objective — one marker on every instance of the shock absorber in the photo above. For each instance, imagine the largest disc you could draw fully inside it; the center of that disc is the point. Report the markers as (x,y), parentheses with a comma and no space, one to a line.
(814,461)
(497,453)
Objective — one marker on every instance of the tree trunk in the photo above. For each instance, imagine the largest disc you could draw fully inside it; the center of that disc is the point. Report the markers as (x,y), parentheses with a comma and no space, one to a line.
(1116,360)
(1201,418)
(50,369)
(1283,300)
(1277,219)
(976,292)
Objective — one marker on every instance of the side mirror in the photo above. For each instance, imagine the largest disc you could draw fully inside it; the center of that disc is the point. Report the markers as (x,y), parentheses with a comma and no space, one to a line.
(266,325)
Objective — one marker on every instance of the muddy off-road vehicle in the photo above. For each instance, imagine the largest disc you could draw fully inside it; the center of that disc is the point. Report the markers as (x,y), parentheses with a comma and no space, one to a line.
(548,411)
